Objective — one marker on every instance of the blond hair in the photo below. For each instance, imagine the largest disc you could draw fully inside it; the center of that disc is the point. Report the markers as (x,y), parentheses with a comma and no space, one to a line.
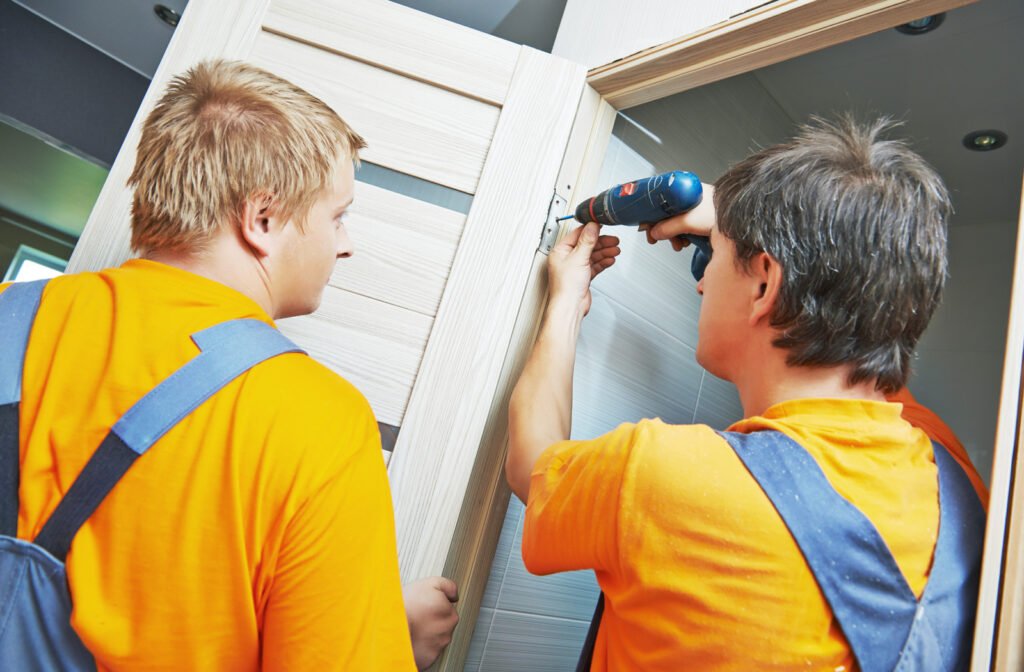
(225,132)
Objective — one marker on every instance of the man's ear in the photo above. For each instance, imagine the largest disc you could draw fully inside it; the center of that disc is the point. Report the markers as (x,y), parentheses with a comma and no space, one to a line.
(767,273)
(258,225)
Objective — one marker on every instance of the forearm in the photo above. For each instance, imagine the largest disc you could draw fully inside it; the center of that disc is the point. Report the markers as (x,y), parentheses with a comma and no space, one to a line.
(540,410)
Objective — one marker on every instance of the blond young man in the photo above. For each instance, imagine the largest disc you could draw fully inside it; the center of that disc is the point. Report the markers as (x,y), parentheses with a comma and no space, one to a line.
(258,533)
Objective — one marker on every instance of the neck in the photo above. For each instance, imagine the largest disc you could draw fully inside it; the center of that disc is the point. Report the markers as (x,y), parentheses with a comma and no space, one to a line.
(225,262)
(773,381)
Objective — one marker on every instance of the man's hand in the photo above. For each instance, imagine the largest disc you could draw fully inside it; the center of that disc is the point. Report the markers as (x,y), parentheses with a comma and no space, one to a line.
(575,261)
(698,222)
(430,608)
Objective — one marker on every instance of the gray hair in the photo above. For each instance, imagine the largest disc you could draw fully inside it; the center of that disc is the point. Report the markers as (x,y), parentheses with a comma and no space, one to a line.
(858,224)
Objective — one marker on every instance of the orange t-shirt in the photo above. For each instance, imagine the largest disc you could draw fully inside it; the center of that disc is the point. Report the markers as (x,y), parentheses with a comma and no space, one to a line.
(258,533)
(697,567)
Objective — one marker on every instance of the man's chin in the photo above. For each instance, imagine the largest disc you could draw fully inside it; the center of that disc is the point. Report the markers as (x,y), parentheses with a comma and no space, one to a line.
(298,310)
(709,364)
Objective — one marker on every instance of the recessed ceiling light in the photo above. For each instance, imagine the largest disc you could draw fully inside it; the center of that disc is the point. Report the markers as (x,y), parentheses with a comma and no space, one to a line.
(922,25)
(985,141)
(167,15)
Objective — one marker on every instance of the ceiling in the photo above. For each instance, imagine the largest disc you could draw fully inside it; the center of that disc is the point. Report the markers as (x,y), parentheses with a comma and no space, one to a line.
(964,76)
(126,30)
(130,32)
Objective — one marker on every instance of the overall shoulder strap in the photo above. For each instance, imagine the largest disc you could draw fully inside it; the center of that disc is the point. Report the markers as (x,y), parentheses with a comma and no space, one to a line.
(227,351)
(18,306)
(943,628)
(850,561)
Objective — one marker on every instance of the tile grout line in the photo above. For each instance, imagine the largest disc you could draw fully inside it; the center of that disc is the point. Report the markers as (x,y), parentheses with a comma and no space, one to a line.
(645,320)
(700,390)
(501,586)
(547,616)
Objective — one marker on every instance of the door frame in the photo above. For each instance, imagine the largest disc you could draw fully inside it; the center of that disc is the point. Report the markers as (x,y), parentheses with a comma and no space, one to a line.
(773,32)
(768,34)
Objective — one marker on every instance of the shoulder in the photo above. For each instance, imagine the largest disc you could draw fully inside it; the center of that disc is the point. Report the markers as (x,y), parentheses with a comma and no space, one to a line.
(307,391)
(303,412)
(678,453)
(645,454)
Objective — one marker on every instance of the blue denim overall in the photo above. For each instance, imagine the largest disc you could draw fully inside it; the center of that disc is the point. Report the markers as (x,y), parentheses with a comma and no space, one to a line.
(35,604)
(887,627)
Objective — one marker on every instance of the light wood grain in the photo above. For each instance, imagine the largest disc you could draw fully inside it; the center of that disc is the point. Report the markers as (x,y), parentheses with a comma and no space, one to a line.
(584,155)
(479,525)
(1009,640)
(1002,613)
(487,496)
(409,126)
(375,346)
(403,249)
(208,29)
(772,33)
(404,40)
(457,382)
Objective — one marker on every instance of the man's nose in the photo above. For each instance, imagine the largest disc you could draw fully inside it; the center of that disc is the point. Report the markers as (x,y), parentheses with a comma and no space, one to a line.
(345,247)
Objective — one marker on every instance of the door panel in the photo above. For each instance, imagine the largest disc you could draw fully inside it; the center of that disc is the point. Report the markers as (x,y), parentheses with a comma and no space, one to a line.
(998,640)
(405,249)
(410,126)
(377,345)
(396,38)
(459,376)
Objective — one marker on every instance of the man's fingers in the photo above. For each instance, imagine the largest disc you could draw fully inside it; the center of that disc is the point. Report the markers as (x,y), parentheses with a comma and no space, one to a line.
(587,239)
(669,228)
(573,237)
(605,252)
(598,266)
(580,240)
(448,587)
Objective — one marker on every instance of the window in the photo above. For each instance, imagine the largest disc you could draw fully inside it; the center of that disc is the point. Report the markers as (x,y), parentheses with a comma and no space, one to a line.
(31,264)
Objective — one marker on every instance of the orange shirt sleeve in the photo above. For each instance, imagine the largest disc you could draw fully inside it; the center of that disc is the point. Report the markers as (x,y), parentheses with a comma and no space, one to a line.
(572,515)
(335,602)
(924,419)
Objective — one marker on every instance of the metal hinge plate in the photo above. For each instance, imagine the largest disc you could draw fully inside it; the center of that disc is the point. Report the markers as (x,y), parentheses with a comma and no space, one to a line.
(549,234)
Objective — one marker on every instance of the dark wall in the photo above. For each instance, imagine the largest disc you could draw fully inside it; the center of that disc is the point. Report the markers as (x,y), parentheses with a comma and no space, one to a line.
(53,82)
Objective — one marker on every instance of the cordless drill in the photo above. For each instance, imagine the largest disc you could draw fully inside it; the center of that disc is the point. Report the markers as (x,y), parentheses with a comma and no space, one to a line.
(650,200)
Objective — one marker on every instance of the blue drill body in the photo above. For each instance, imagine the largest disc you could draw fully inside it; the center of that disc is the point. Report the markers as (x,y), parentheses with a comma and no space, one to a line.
(650,200)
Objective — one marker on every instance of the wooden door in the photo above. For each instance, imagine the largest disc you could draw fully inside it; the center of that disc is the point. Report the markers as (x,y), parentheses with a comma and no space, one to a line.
(999,637)
(421,318)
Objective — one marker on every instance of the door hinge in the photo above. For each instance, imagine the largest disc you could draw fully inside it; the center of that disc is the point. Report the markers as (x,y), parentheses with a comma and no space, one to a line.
(549,234)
